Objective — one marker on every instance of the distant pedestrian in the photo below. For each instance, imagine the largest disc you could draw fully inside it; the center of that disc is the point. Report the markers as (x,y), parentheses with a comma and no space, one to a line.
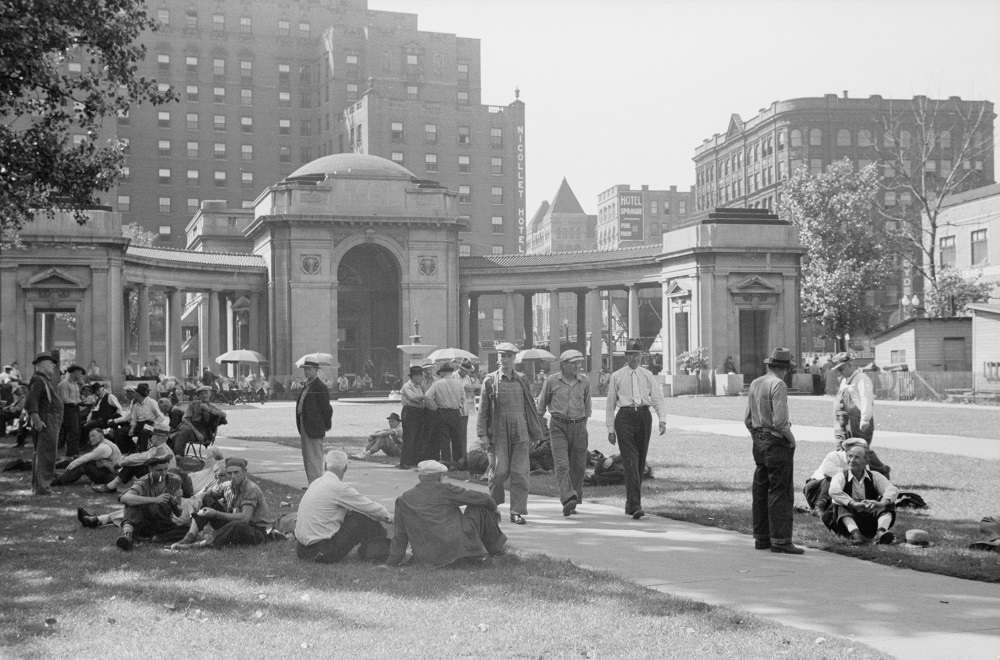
(412,415)
(45,412)
(632,391)
(445,399)
(69,392)
(566,396)
(313,418)
(773,451)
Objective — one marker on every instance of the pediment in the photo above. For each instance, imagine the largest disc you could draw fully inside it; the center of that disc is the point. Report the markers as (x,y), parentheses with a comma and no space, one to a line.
(675,290)
(753,284)
(53,278)
(735,126)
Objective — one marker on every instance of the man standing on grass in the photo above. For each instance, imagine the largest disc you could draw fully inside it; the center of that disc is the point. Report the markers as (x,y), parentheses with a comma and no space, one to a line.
(313,418)
(632,391)
(334,518)
(854,407)
(45,411)
(566,395)
(69,392)
(773,450)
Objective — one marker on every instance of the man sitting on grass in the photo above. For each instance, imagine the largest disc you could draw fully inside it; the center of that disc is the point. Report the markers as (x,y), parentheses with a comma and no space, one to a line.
(388,440)
(136,465)
(152,506)
(817,488)
(429,518)
(333,518)
(864,502)
(236,509)
(97,464)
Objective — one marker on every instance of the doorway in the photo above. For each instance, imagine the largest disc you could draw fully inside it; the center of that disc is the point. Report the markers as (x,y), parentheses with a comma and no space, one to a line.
(369,313)
(753,342)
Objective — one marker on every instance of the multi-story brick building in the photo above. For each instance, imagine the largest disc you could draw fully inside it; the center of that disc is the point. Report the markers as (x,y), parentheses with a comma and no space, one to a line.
(746,166)
(263,88)
(562,226)
(627,217)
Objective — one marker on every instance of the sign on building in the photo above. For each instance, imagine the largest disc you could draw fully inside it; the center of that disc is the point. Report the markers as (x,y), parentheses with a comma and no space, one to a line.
(630,216)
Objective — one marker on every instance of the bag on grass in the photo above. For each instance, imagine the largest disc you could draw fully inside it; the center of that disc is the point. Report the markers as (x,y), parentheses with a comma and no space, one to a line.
(910,501)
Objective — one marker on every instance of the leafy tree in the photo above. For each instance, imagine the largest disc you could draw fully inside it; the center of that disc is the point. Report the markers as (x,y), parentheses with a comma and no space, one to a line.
(929,149)
(43,103)
(951,292)
(845,255)
(138,235)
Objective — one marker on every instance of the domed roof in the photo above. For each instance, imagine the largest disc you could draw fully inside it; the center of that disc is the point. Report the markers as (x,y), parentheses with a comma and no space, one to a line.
(351,164)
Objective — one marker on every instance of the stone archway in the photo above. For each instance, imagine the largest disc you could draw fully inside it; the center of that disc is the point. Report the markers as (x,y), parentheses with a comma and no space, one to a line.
(369,311)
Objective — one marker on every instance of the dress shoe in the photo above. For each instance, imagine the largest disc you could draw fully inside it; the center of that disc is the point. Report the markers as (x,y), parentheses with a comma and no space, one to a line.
(761,544)
(44,491)
(638,513)
(787,548)
(857,538)
(103,488)
(517,519)
(125,542)
(884,537)
(569,506)
(86,519)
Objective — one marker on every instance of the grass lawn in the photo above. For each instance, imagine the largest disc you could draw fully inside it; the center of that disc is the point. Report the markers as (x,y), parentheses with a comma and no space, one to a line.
(69,592)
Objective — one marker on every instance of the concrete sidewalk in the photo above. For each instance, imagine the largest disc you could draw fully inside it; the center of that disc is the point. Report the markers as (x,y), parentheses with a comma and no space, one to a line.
(905,613)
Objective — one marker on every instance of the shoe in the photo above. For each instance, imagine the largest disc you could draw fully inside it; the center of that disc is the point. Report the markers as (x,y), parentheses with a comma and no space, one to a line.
(884,537)
(569,506)
(638,513)
(857,538)
(517,519)
(44,491)
(86,519)
(359,457)
(125,542)
(787,548)
(761,544)
(103,488)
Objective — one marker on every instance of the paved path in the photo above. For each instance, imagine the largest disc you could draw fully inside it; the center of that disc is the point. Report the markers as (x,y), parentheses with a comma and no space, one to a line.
(905,613)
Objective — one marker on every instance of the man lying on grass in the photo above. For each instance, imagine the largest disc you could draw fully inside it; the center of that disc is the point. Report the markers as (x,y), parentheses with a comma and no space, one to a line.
(864,501)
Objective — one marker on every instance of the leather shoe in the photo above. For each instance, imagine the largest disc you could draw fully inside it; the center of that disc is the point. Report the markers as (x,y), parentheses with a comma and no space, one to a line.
(884,537)
(517,519)
(787,548)
(569,506)
(761,544)
(86,519)
(857,538)
(638,513)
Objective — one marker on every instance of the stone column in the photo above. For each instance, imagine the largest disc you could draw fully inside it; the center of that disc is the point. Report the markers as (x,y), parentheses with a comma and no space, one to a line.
(463,319)
(509,316)
(10,342)
(143,322)
(116,326)
(473,321)
(596,339)
(175,307)
(528,320)
(255,323)
(555,323)
(633,311)
(213,330)
(581,321)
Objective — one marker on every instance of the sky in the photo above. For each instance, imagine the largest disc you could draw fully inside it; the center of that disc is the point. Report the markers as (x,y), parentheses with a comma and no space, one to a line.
(623,91)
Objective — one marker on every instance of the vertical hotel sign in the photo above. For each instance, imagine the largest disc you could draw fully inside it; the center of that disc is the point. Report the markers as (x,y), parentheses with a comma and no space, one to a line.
(522,220)
(630,216)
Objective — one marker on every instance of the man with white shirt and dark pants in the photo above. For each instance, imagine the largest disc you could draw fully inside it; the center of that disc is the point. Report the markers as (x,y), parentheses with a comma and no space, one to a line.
(632,390)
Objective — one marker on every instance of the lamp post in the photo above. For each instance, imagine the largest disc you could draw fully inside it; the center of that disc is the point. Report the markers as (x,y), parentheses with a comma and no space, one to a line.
(565,322)
(908,306)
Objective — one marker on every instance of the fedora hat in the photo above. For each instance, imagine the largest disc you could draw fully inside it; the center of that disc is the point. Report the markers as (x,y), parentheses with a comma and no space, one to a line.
(446,368)
(416,370)
(839,360)
(780,357)
(634,345)
(917,537)
(394,416)
(142,388)
(45,355)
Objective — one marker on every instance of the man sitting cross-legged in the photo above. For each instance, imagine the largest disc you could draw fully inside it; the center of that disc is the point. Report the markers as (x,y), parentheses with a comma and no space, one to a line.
(817,488)
(97,464)
(864,501)
(388,440)
(429,518)
(236,509)
(333,518)
(136,465)
(152,506)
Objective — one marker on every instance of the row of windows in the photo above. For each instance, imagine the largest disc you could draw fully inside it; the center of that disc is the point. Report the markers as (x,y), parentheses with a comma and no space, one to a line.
(978,249)
(397,133)
(165,205)
(192,122)
(191,64)
(609,212)
(191,22)
(164,176)
(464,163)
(465,194)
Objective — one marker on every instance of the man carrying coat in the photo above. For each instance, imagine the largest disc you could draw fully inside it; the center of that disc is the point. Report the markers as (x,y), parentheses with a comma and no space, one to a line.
(313,418)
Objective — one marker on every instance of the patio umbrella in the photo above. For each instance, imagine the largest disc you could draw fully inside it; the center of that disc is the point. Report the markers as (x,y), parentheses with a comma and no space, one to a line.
(451,354)
(241,356)
(322,359)
(534,354)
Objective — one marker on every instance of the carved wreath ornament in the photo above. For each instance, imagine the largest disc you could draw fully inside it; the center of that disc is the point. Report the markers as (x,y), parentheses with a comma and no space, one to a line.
(310,264)
(428,265)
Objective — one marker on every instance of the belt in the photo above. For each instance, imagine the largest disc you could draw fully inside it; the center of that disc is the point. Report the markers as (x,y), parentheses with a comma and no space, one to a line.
(568,420)
(633,408)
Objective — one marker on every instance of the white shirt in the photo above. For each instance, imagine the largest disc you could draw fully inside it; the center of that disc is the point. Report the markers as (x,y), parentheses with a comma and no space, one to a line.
(862,392)
(633,387)
(325,505)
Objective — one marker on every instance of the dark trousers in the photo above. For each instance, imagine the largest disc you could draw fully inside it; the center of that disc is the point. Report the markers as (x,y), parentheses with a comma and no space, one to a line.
(152,520)
(98,474)
(356,529)
(43,463)
(413,425)
(817,492)
(430,441)
(69,434)
(633,427)
(451,438)
(229,532)
(773,497)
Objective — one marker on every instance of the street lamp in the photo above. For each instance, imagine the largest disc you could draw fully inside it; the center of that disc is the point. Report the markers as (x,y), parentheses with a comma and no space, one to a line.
(566,329)
(909,306)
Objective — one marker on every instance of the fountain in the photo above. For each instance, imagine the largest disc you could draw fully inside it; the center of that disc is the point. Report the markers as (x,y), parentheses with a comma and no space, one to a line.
(415,351)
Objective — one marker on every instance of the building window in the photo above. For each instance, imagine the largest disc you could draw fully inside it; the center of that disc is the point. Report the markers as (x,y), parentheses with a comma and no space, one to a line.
(163,62)
(219,122)
(666,207)
(219,149)
(163,16)
(305,127)
(396,131)
(386,61)
(192,204)
(412,91)
(905,139)
(219,94)
(463,98)
(246,69)
(284,154)
(431,162)
(465,194)
(164,205)
(397,157)
(246,25)
(905,198)
(191,63)
(682,206)
(220,178)
(496,165)
(191,121)
(351,58)
(246,97)
(284,75)
(815,137)
(192,149)
(163,119)
(897,357)
(462,69)
(946,250)
(352,91)
(815,165)
(864,138)
(192,177)
(284,28)
(124,203)
(163,147)
(165,231)
(496,137)
(192,93)
(945,139)
(464,136)
(498,249)
(218,67)
(464,251)
(496,195)
(653,207)
(284,127)
(796,136)
(412,59)
(890,198)
(304,30)
(126,173)
(430,133)
(246,124)
(497,223)
(284,99)
(979,247)
(218,23)
(782,136)
(246,178)
(843,138)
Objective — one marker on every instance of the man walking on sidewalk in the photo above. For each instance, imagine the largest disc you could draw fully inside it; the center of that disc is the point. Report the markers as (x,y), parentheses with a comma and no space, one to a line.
(773,449)
(566,395)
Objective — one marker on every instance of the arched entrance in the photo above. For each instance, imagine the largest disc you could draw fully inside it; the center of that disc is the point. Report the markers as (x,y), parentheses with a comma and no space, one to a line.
(368,308)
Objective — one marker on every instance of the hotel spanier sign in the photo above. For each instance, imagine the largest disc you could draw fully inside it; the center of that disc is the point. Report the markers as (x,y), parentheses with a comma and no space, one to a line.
(630,216)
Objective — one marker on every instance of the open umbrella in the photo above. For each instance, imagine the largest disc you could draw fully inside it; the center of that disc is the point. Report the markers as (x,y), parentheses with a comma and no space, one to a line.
(241,356)
(534,354)
(322,359)
(451,354)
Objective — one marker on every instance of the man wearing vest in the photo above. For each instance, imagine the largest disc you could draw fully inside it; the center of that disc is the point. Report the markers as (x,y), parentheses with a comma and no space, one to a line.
(633,390)
(865,502)
(773,451)
(98,464)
